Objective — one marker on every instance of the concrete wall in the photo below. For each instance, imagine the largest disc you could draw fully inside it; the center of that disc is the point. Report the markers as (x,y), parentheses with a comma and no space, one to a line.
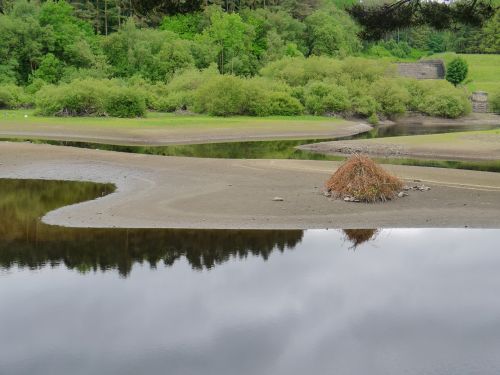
(428,69)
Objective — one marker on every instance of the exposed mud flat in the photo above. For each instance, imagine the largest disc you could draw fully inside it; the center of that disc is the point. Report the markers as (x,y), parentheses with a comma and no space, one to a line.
(170,192)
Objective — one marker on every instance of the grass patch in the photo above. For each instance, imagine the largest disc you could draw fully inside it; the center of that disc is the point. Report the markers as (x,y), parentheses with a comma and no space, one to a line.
(484,70)
(156,119)
(166,120)
(455,138)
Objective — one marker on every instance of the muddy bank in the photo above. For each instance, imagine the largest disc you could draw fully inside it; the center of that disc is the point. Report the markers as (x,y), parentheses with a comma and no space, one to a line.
(472,119)
(168,134)
(383,150)
(170,192)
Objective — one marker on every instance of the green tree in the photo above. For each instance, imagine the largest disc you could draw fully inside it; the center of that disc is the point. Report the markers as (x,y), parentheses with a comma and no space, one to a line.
(332,32)
(232,40)
(490,41)
(154,54)
(456,71)
(50,69)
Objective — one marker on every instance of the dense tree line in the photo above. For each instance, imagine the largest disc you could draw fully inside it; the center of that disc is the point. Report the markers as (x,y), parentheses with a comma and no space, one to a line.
(120,58)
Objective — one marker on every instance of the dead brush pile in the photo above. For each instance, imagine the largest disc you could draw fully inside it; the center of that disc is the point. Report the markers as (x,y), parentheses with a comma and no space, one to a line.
(360,178)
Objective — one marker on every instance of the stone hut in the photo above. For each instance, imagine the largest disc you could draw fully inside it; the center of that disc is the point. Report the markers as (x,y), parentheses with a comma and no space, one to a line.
(426,69)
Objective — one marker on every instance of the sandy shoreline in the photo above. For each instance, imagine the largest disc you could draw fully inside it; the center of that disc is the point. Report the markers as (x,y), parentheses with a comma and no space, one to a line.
(174,192)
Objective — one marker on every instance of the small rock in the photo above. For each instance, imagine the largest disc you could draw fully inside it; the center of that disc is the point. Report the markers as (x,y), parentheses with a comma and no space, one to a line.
(327,194)
(350,199)
(278,199)
(402,194)
(406,188)
(417,180)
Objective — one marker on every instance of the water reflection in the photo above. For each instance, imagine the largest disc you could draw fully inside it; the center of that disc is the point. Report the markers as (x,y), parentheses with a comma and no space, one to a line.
(358,237)
(422,302)
(26,242)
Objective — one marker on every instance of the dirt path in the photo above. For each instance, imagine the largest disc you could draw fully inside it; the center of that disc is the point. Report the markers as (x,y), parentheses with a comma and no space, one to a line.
(169,192)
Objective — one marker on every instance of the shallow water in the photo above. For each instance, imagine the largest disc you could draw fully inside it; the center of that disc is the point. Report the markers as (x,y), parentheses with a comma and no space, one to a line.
(286,149)
(104,301)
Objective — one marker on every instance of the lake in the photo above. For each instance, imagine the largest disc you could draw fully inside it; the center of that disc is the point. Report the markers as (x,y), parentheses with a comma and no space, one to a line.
(118,301)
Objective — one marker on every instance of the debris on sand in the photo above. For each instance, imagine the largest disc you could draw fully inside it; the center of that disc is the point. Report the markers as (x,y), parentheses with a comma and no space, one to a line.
(360,179)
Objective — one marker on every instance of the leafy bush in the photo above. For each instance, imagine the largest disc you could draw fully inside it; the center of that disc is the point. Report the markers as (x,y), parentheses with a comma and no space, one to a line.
(392,48)
(456,71)
(362,103)
(89,98)
(391,96)
(321,98)
(78,98)
(50,69)
(221,96)
(444,103)
(181,89)
(124,102)
(12,96)
(298,71)
(226,95)
(437,98)
(355,68)
(278,104)
(495,102)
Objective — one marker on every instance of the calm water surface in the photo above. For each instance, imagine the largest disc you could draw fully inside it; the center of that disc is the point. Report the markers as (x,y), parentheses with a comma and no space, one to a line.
(286,149)
(396,301)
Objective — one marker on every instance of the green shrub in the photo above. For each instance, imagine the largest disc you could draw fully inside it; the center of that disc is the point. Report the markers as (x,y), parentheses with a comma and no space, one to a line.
(321,98)
(391,96)
(456,71)
(78,98)
(279,104)
(373,119)
(155,95)
(298,71)
(124,102)
(225,95)
(181,89)
(444,103)
(266,97)
(366,70)
(437,98)
(12,96)
(495,102)
(89,97)
(221,96)
(362,102)
(364,105)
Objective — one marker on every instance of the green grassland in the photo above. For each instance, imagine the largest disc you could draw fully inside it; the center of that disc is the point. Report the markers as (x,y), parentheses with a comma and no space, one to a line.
(445,138)
(484,70)
(157,119)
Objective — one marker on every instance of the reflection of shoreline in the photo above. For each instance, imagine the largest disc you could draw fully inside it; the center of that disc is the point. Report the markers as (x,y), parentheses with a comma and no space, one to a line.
(26,242)
(106,249)
(358,237)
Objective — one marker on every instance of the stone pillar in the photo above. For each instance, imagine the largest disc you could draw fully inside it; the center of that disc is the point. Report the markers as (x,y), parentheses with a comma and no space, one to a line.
(479,101)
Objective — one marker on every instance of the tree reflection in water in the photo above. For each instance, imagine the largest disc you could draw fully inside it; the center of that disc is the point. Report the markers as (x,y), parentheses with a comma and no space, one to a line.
(26,242)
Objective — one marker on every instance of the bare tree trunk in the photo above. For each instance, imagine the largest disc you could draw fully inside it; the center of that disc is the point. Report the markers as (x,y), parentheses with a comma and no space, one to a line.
(106,17)
(97,16)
